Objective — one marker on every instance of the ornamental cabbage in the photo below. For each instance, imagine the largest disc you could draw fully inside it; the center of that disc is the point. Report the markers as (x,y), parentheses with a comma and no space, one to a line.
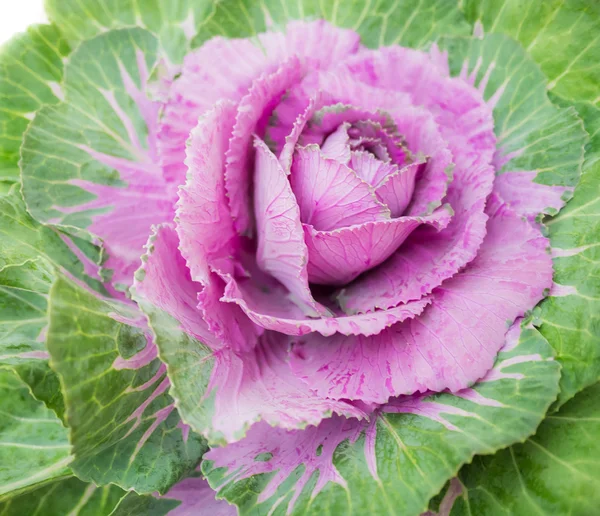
(280,262)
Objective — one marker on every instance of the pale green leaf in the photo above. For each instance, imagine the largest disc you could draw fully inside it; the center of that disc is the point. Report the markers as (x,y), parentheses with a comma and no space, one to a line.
(190,364)
(23,239)
(562,36)
(30,253)
(23,302)
(174,21)
(43,382)
(57,147)
(31,70)
(379,22)
(549,140)
(23,305)
(539,136)
(134,504)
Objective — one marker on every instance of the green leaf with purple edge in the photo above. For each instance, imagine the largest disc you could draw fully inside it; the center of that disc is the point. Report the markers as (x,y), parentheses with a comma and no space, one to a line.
(569,320)
(124,428)
(190,496)
(87,162)
(562,37)
(67,145)
(400,460)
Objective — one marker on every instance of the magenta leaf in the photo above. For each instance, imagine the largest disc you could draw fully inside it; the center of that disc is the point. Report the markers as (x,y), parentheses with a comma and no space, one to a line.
(339,256)
(456,339)
(330,194)
(204,222)
(282,251)
(220,391)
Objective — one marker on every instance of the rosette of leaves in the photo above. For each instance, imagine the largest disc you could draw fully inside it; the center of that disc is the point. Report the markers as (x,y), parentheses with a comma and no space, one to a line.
(365,237)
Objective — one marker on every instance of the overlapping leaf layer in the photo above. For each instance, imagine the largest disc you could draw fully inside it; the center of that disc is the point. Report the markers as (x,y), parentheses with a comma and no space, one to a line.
(368,394)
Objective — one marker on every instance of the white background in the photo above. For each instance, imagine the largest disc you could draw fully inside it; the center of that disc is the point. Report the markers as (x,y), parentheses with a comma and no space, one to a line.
(17,15)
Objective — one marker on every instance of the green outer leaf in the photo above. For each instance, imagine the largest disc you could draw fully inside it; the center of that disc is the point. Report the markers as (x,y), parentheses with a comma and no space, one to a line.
(379,22)
(133,504)
(189,365)
(44,384)
(415,455)
(68,496)
(23,304)
(436,501)
(110,443)
(549,140)
(23,239)
(571,323)
(51,151)
(31,68)
(562,36)
(28,249)
(34,444)
(174,21)
(555,472)
(30,253)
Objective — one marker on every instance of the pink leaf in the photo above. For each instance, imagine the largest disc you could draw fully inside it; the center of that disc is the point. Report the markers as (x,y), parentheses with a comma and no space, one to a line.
(456,339)
(204,222)
(339,256)
(281,248)
(330,195)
